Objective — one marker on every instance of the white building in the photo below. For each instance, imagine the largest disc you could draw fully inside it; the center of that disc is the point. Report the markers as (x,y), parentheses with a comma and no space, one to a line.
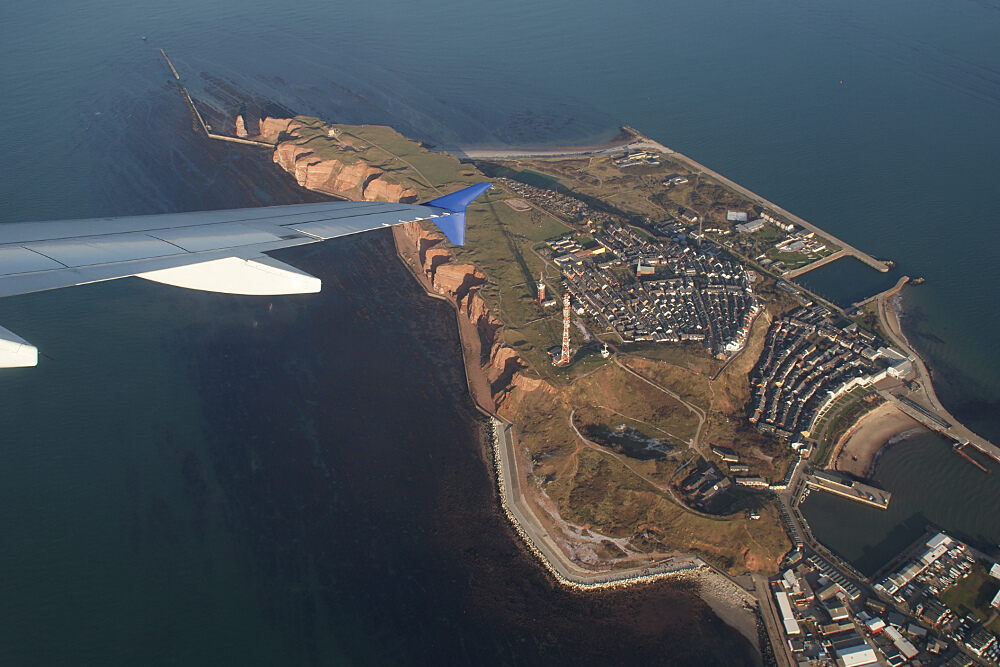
(857,656)
(787,616)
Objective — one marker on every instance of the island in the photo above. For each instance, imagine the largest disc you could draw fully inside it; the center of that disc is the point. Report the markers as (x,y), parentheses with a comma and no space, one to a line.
(657,394)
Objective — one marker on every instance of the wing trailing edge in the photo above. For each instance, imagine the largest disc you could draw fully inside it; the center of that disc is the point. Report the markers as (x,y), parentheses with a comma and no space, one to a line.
(216,251)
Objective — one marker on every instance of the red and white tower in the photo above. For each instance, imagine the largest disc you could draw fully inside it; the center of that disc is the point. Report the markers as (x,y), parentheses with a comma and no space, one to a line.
(564,357)
(541,287)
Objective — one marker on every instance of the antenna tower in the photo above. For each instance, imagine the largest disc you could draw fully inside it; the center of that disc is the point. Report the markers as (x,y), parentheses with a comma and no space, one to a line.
(564,358)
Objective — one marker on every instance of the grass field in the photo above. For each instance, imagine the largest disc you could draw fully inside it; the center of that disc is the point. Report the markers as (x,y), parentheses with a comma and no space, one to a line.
(535,179)
(621,497)
(973,595)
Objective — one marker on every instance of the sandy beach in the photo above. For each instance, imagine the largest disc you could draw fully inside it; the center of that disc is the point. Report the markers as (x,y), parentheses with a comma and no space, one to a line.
(858,449)
(628,139)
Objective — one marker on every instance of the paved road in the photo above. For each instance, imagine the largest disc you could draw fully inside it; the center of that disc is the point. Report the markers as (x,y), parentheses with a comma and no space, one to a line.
(772,621)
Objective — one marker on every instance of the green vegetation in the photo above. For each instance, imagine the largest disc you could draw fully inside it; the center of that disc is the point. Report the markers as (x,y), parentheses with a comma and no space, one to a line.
(692,356)
(601,489)
(405,162)
(869,320)
(973,595)
(535,179)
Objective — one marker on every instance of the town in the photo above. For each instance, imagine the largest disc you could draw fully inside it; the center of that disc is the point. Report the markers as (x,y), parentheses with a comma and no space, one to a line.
(666,282)
(807,364)
(907,620)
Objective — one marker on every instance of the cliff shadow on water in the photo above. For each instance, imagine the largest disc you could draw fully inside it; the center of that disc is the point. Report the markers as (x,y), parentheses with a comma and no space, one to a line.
(345,440)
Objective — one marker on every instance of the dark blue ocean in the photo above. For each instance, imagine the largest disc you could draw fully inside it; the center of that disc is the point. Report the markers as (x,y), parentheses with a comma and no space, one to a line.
(196,479)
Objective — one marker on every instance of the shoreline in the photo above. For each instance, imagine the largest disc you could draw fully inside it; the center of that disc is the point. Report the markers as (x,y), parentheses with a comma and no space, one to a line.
(890,424)
(627,138)
(951,428)
(858,451)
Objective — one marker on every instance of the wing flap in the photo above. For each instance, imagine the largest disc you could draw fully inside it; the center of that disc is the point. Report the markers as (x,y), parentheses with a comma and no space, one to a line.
(15,352)
(15,259)
(214,237)
(234,275)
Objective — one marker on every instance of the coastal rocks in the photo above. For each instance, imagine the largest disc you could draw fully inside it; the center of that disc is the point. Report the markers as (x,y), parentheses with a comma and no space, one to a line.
(382,190)
(433,258)
(271,128)
(504,363)
(328,162)
(316,173)
(461,282)
(457,279)
(286,155)
(355,176)
(356,181)
(487,325)
(241,128)
(525,383)
(423,241)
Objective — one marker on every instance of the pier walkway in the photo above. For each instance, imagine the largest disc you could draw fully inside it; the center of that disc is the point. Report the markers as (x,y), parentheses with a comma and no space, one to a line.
(886,294)
(201,121)
(847,488)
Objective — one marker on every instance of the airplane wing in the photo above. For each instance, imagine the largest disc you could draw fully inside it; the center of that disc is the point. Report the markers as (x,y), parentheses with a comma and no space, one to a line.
(215,251)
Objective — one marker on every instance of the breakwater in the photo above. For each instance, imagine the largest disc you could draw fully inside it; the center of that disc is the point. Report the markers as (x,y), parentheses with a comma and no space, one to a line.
(201,121)
(846,248)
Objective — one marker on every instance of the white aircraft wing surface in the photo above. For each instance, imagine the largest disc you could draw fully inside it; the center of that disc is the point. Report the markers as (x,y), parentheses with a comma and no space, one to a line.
(216,251)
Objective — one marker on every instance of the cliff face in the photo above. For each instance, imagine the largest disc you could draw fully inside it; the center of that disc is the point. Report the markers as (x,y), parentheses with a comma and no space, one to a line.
(461,282)
(349,178)
(381,190)
(271,128)
(457,279)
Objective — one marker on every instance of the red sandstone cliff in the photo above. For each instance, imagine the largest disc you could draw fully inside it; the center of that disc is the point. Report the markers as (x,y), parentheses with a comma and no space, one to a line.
(271,128)
(351,179)
(461,282)
(241,127)
(382,190)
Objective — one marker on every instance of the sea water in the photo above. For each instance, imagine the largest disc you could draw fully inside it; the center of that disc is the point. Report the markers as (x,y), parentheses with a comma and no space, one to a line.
(151,512)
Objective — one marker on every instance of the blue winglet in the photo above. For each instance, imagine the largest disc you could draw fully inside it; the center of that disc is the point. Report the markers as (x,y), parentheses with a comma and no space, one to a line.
(453,225)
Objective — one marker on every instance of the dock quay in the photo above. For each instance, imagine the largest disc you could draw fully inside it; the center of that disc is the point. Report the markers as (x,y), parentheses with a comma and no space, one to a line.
(848,488)
(957,447)
(795,273)
(170,65)
(885,295)
(846,248)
